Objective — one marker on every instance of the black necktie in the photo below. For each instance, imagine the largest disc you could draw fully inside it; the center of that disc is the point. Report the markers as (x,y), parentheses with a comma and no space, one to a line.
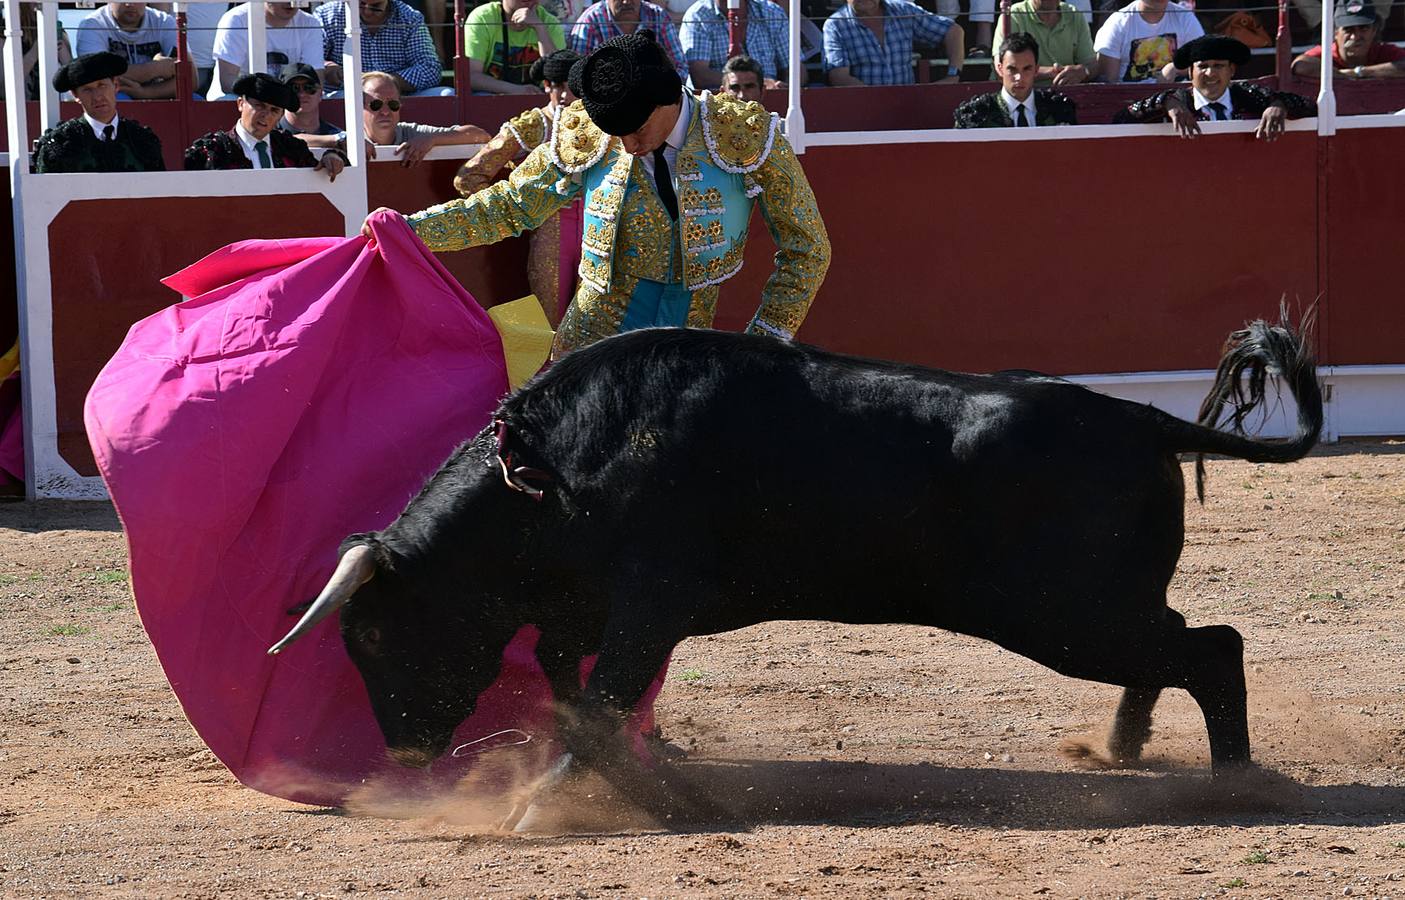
(1219,111)
(107,132)
(1022,121)
(664,182)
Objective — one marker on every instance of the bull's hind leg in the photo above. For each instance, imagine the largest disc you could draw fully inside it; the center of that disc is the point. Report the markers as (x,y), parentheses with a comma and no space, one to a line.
(1214,676)
(1131,728)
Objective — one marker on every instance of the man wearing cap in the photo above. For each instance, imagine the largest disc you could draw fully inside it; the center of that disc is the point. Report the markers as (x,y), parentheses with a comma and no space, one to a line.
(1357,51)
(307,118)
(1214,95)
(255,141)
(669,180)
(99,140)
(548,274)
(1017,104)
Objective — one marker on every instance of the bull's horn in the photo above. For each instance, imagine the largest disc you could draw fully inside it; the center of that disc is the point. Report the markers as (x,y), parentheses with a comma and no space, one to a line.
(356,568)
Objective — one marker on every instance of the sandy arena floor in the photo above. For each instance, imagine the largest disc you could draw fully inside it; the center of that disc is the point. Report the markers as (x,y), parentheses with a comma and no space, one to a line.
(868,761)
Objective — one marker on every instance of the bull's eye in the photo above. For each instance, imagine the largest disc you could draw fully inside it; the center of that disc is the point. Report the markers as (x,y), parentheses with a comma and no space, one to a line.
(371,639)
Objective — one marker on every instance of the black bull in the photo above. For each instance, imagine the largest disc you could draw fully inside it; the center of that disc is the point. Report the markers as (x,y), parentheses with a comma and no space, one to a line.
(693,482)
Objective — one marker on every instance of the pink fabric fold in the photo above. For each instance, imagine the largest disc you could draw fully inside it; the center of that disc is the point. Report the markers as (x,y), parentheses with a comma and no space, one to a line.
(304,392)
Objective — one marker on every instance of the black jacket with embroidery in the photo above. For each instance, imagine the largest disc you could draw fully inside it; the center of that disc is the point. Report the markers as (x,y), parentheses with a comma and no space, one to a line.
(1248,99)
(72,147)
(989,111)
(222,150)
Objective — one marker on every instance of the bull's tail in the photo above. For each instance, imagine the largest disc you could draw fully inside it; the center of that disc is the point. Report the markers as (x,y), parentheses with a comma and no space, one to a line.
(1251,355)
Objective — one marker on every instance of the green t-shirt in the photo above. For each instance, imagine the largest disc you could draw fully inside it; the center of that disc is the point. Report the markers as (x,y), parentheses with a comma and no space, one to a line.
(1068,43)
(483,41)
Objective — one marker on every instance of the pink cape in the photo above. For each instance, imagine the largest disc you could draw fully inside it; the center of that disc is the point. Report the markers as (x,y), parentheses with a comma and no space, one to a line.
(305,393)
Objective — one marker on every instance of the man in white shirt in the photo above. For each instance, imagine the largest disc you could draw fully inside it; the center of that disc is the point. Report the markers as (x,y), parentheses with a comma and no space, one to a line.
(1139,41)
(291,36)
(145,38)
(1017,104)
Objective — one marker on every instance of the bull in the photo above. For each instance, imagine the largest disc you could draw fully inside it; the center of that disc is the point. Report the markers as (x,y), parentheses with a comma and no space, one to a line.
(669,483)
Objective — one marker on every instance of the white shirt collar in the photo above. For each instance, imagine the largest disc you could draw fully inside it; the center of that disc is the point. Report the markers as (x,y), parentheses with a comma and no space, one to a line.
(679,134)
(248,141)
(1201,101)
(99,126)
(1012,104)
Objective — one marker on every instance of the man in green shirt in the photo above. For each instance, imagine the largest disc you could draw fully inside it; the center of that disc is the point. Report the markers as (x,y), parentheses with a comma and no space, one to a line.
(1066,54)
(502,39)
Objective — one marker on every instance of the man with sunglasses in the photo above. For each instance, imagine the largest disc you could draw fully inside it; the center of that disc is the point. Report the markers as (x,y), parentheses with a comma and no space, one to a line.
(307,118)
(411,140)
(669,181)
(255,142)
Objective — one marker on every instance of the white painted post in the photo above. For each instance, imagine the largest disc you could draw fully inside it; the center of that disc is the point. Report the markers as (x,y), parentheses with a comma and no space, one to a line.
(1326,96)
(794,117)
(46,26)
(258,39)
(355,122)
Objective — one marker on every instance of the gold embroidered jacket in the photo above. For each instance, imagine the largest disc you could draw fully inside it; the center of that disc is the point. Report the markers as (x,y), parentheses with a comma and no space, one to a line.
(726,139)
(523,132)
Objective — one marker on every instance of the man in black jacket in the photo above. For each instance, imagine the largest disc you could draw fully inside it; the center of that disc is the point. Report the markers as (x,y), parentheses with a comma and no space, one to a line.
(255,141)
(1017,104)
(1214,95)
(99,140)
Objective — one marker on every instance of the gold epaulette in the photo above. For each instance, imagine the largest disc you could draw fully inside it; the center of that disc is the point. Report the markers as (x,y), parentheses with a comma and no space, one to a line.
(576,142)
(528,128)
(739,134)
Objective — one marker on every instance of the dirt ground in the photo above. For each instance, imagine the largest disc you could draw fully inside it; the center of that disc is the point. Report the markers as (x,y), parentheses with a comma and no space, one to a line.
(860,761)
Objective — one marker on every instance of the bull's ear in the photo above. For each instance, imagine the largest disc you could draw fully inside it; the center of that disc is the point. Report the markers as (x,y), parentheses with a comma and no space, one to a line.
(356,567)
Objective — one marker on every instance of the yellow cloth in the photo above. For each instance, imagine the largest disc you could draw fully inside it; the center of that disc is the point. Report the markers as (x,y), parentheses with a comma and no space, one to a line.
(10,362)
(526,337)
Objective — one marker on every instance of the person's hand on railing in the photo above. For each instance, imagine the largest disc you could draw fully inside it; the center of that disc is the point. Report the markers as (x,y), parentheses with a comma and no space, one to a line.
(332,163)
(1272,123)
(415,149)
(1182,118)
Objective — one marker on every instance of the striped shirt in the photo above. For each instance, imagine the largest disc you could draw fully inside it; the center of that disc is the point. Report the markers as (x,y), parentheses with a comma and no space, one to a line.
(848,42)
(596,26)
(401,46)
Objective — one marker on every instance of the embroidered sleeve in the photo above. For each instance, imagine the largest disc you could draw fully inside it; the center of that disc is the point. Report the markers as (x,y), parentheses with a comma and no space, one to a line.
(1145,111)
(534,191)
(528,128)
(480,171)
(802,255)
(1295,106)
(146,147)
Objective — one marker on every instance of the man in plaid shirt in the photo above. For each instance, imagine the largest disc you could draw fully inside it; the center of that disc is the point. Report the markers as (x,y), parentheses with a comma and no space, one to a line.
(612,18)
(394,39)
(870,42)
(704,38)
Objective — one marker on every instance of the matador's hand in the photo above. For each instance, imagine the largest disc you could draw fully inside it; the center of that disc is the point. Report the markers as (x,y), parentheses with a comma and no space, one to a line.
(366,225)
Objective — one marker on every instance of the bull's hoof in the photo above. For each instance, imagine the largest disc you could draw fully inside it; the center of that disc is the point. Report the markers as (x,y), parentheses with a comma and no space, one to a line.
(527,814)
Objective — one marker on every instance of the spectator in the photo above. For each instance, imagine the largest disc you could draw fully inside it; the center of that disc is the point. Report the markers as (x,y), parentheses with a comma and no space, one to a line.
(741,77)
(307,118)
(1066,53)
(612,18)
(705,41)
(1311,11)
(1357,51)
(29,47)
(98,140)
(503,38)
(1138,42)
(1213,93)
(870,42)
(394,39)
(1017,103)
(380,109)
(201,22)
(145,38)
(255,142)
(290,36)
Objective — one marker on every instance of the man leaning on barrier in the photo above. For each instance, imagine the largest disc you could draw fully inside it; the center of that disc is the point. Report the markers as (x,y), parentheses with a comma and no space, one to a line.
(1214,95)
(99,140)
(255,141)
(669,180)
(1357,50)
(1017,103)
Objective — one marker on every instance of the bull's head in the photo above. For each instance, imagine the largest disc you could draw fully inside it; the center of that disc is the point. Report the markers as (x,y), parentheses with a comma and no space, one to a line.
(423,662)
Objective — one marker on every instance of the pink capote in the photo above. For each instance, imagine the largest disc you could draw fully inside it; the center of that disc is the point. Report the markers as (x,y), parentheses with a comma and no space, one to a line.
(304,393)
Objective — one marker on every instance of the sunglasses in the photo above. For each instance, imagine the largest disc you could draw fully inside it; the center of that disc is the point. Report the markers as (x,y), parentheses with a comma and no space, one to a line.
(375,105)
(307,88)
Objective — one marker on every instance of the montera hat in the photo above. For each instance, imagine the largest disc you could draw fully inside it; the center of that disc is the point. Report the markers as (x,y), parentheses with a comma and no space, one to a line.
(624,80)
(263,86)
(555,68)
(1212,46)
(301,70)
(88,68)
(1354,12)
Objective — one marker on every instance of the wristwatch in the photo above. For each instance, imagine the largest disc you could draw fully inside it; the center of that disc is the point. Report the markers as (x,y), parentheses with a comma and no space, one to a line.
(953,71)
(1356,72)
